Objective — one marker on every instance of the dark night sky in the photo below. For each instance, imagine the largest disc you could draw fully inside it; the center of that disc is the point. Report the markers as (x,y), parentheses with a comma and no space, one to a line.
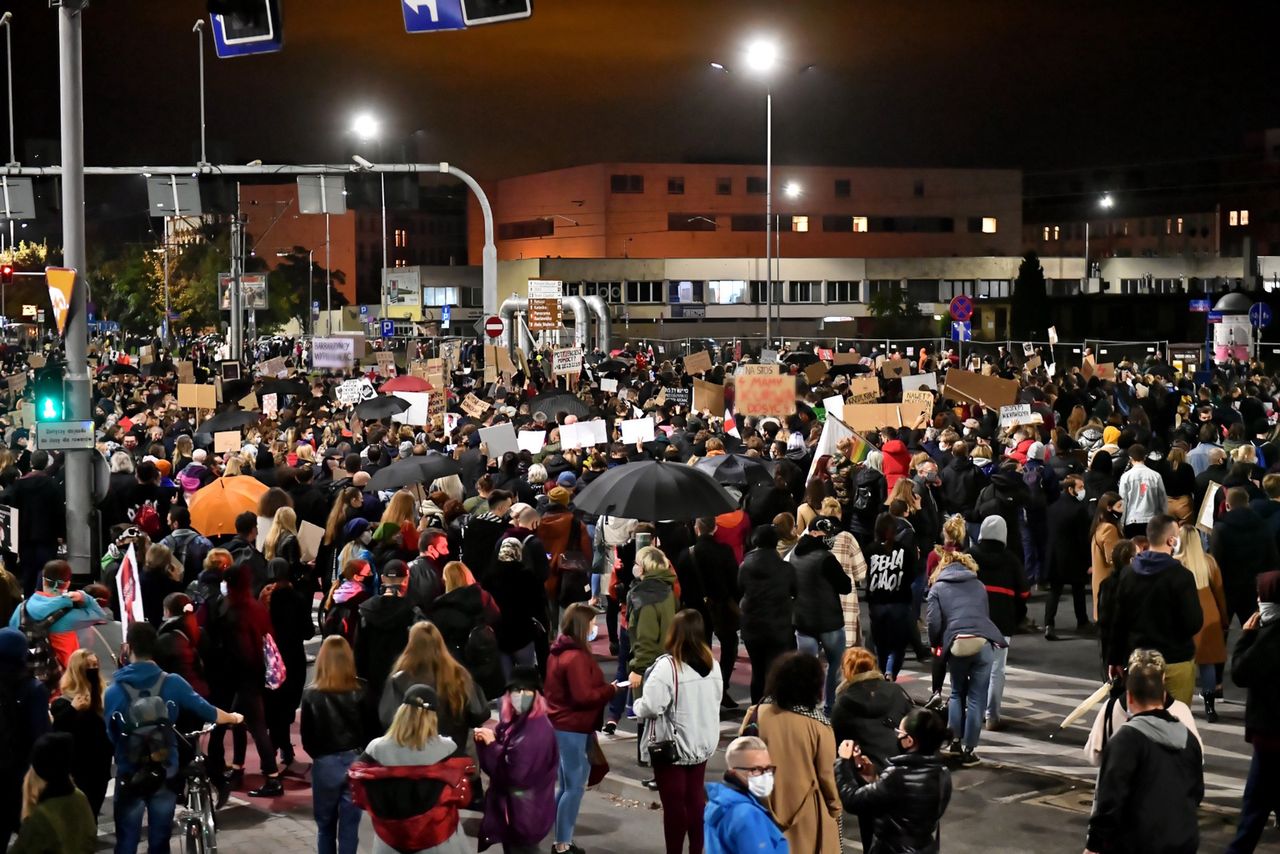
(1036,85)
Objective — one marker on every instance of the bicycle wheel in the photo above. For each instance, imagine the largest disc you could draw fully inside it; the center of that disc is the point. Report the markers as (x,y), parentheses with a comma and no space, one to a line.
(201,805)
(192,836)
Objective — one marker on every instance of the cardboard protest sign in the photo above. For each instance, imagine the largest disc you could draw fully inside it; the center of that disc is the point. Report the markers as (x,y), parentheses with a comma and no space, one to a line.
(864,389)
(490,363)
(914,412)
(815,373)
(697,363)
(310,536)
(846,358)
(186,371)
(500,438)
(36,360)
(1106,371)
(1033,363)
(708,397)
(17,382)
(869,417)
(386,362)
(192,396)
(227,441)
(765,395)
(272,367)
(895,369)
(975,388)
(474,406)
(768,370)
(768,357)
(918,395)
(270,405)
(249,401)
(1087,367)
(505,365)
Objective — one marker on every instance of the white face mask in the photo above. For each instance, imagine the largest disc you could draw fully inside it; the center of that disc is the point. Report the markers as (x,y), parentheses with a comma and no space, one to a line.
(521,701)
(366,538)
(222,587)
(1177,545)
(761,786)
(1080,495)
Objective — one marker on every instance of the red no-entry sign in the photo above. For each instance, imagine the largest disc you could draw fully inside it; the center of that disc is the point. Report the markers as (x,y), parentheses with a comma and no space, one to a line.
(493,326)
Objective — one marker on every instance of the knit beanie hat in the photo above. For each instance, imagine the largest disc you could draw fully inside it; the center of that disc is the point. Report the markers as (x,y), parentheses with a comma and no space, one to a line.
(994,528)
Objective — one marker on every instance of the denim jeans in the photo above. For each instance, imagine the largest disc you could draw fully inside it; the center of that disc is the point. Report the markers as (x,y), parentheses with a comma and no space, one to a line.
(970,680)
(831,645)
(1206,678)
(1261,798)
(619,701)
(337,818)
(1000,655)
(571,782)
(128,811)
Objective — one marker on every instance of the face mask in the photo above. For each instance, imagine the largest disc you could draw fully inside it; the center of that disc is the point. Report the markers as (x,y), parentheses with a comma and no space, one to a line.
(521,702)
(1177,544)
(92,674)
(222,587)
(1080,495)
(366,538)
(761,786)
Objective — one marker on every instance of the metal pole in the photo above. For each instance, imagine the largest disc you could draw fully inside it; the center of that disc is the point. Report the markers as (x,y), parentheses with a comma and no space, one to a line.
(328,278)
(79,471)
(383,275)
(311,311)
(768,211)
(8,52)
(236,349)
(199,28)
(167,307)
(1085,287)
(777,259)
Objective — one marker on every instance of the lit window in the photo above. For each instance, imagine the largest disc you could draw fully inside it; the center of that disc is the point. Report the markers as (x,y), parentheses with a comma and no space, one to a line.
(1046,233)
(989,225)
(1124,228)
(799,223)
(1179,225)
(1056,232)
(859,223)
(1244,217)
(1168,225)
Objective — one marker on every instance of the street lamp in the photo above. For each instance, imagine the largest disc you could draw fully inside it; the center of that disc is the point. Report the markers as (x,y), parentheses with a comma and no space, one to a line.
(311,267)
(1106,202)
(366,127)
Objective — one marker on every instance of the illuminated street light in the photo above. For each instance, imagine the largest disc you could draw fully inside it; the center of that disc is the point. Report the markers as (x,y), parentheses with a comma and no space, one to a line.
(365,126)
(792,190)
(762,55)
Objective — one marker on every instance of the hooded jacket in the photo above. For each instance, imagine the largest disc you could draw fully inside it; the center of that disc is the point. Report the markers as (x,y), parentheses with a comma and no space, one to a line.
(575,689)
(685,701)
(177,694)
(897,462)
(1000,571)
(868,710)
(1005,497)
(736,821)
(1255,665)
(651,606)
(961,483)
(383,633)
(521,762)
(767,589)
(958,605)
(820,582)
(905,802)
(1160,815)
(1156,607)
(177,646)
(1243,546)
(62,634)
(413,796)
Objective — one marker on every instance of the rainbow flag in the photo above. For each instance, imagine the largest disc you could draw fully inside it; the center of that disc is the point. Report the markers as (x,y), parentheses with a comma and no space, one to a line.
(861,448)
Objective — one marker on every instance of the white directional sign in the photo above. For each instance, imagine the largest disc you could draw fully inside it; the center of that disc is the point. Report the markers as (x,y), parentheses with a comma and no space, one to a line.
(64,435)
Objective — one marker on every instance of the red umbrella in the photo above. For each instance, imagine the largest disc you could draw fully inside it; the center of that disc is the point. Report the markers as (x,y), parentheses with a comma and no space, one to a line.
(406,382)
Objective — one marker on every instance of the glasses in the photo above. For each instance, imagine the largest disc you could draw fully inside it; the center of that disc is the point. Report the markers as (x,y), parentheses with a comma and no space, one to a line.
(756,770)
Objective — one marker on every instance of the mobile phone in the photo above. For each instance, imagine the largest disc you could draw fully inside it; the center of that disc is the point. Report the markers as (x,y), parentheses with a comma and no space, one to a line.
(643,540)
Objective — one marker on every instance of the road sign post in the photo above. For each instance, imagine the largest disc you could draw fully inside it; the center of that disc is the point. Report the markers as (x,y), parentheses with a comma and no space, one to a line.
(388,327)
(247,34)
(1260,315)
(491,326)
(961,330)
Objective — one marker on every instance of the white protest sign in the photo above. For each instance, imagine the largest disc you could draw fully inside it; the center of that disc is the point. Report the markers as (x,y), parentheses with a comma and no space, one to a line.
(566,361)
(637,430)
(499,438)
(608,386)
(584,434)
(1019,413)
(919,381)
(531,440)
(418,413)
(834,404)
(354,391)
(333,352)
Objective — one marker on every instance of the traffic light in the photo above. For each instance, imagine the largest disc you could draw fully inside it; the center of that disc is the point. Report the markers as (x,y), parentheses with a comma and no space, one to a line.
(6,274)
(50,393)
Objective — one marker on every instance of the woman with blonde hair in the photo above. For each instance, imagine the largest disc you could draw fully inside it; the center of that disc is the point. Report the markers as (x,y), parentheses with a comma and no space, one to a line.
(1211,644)
(55,814)
(412,784)
(400,509)
(334,729)
(78,712)
(846,549)
(466,616)
(426,660)
(1179,484)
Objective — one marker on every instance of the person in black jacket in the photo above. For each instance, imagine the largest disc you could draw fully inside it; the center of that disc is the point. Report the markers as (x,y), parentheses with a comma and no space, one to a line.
(384,628)
(1000,571)
(1068,554)
(712,564)
(425,572)
(906,801)
(1255,665)
(1242,545)
(292,627)
(336,725)
(892,562)
(25,702)
(1161,755)
(519,597)
(482,532)
(767,590)
(820,582)
(1005,497)
(961,482)
(36,496)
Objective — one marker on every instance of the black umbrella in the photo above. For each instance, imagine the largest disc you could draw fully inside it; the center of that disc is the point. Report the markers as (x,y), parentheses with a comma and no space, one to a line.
(236,389)
(801,358)
(297,388)
(382,406)
(735,470)
(555,402)
(848,370)
(232,419)
(411,471)
(613,366)
(118,369)
(654,492)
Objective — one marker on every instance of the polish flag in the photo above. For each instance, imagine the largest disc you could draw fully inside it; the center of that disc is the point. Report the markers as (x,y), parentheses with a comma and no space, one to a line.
(730,426)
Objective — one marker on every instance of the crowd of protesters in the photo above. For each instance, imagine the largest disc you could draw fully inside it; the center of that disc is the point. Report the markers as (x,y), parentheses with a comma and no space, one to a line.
(475,598)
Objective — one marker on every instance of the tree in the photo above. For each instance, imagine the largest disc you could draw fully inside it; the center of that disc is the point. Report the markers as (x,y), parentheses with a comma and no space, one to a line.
(290,285)
(896,315)
(129,289)
(1029,305)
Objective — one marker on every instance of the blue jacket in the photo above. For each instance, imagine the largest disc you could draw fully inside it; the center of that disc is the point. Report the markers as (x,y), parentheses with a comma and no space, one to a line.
(75,619)
(735,822)
(958,606)
(177,694)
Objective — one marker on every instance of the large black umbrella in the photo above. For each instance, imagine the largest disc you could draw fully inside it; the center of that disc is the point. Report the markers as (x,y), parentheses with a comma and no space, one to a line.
(655,492)
(382,406)
(413,470)
(848,370)
(735,470)
(555,402)
(232,419)
(236,389)
(118,369)
(613,366)
(297,388)
(800,357)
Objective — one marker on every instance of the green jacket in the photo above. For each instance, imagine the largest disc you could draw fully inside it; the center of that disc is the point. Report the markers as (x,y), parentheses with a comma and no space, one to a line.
(651,607)
(62,825)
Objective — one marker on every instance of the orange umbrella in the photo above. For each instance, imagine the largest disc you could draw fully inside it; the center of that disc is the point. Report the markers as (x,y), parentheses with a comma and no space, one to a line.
(215,507)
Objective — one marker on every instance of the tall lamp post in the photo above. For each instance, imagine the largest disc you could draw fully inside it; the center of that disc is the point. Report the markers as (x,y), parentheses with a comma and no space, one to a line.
(366,128)
(1106,202)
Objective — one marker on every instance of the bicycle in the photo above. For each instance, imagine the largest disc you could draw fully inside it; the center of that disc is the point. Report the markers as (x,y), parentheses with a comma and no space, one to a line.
(199,832)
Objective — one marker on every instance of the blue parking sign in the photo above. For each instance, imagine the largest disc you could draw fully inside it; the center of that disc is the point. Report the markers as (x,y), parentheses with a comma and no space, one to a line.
(388,327)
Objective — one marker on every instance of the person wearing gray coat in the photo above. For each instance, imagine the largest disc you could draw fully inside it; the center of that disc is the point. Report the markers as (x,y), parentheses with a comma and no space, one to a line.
(960,624)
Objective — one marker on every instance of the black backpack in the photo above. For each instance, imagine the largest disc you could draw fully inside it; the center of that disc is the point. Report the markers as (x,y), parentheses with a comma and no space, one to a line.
(149,737)
(45,666)
(191,552)
(572,569)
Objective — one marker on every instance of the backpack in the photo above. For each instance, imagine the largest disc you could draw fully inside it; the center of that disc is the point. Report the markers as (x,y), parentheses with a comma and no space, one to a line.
(149,740)
(341,619)
(45,666)
(148,519)
(572,569)
(191,552)
(861,498)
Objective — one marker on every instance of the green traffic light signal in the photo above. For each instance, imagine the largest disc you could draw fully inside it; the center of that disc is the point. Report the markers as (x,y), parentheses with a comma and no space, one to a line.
(50,395)
(50,409)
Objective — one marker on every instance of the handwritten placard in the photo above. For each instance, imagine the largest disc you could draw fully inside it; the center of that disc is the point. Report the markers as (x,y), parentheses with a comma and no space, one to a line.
(192,396)
(697,363)
(474,406)
(765,395)
(768,370)
(865,389)
(918,395)
(226,442)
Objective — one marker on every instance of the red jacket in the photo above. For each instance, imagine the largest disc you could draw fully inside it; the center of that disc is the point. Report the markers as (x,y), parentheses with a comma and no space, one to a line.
(897,461)
(399,801)
(731,530)
(575,689)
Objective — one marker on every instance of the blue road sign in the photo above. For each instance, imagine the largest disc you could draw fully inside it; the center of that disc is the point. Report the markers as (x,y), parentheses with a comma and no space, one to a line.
(240,35)
(426,16)
(364,309)
(444,316)
(388,327)
(1200,306)
(1260,315)
(961,330)
(1214,317)
(961,308)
